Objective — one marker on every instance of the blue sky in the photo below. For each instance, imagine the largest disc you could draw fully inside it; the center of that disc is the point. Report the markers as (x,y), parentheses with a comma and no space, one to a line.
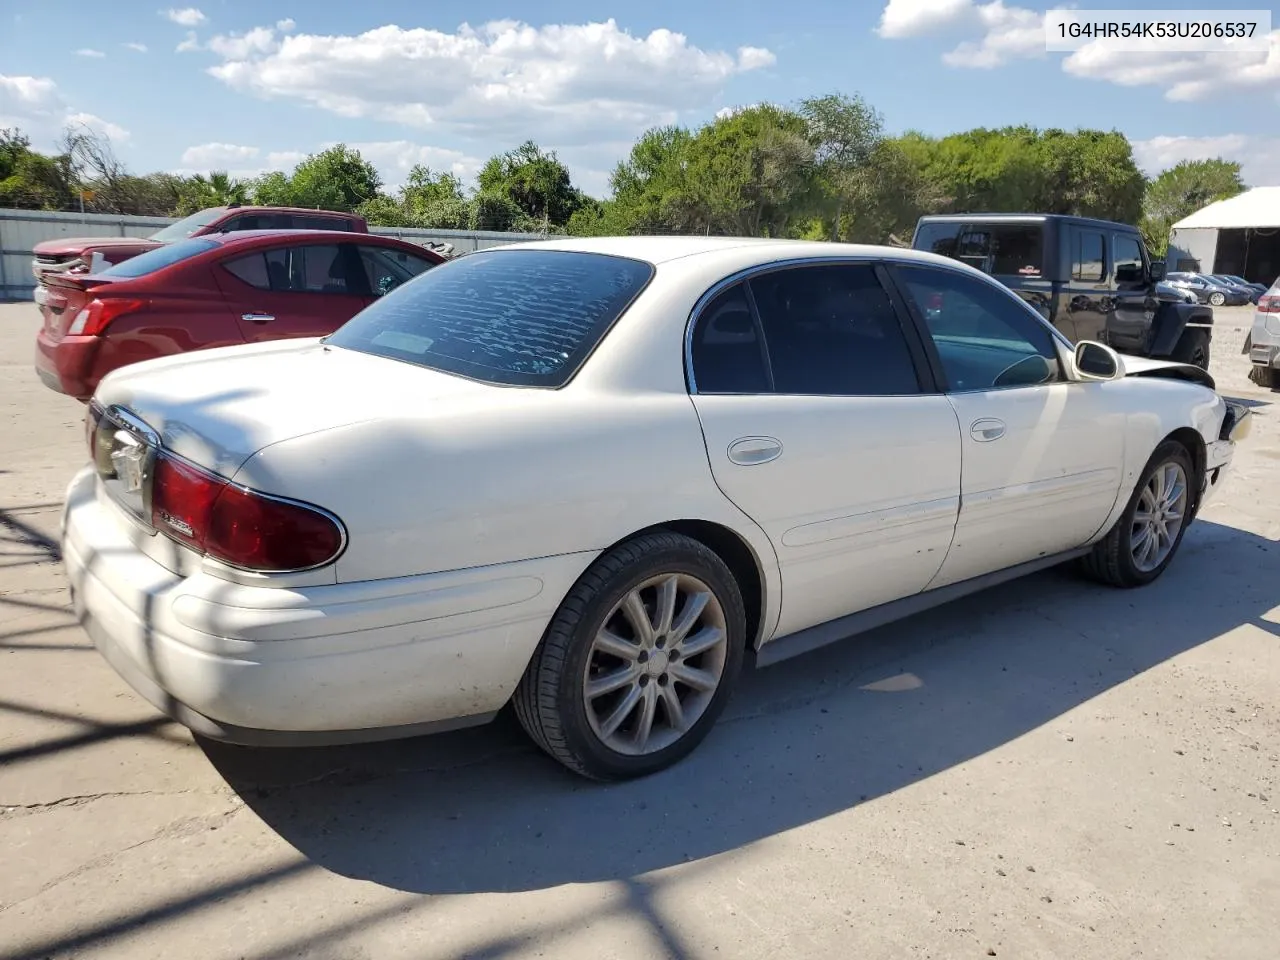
(249,86)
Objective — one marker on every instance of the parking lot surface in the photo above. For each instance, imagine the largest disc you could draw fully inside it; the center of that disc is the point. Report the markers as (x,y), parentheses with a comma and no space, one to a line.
(1047,769)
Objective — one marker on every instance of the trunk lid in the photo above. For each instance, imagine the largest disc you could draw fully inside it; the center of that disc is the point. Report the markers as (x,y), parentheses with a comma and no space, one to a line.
(65,296)
(218,407)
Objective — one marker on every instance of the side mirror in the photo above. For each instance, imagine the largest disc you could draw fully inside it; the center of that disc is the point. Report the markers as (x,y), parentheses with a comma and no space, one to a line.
(1157,271)
(1096,361)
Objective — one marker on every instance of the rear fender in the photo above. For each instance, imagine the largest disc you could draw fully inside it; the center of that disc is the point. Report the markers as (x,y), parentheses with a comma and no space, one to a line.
(1172,320)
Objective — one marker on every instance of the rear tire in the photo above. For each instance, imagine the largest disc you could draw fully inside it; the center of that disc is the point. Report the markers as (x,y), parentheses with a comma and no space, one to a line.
(1268,377)
(1217,299)
(1193,348)
(639,660)
(1140,545)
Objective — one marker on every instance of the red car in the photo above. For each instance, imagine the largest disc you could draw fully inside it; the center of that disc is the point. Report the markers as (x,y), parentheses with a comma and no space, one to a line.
(214,291)
(76,254)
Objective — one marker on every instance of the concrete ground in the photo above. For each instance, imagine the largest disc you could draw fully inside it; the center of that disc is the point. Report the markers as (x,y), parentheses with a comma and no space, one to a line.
(1049,769)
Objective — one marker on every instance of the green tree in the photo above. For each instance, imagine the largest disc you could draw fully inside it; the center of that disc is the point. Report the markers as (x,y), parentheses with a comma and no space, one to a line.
(535,181)
(1182,190)
(30,179)
(334,179)
(846,134)
(217,189)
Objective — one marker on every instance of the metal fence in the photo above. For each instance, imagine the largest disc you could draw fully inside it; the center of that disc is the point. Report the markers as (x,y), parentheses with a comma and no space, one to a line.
(21,230)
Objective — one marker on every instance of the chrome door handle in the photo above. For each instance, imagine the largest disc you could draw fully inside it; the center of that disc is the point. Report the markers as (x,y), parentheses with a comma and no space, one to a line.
(750,451)
(986,430)
(257,317)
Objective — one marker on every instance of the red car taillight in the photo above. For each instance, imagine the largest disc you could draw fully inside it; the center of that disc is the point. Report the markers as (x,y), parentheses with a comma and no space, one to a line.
(97,316)
(239,526)
(1269,303)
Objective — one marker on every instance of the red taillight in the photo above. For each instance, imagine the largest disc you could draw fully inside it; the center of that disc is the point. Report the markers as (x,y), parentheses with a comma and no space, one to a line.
(239,526)
(1269,303)
(97,316)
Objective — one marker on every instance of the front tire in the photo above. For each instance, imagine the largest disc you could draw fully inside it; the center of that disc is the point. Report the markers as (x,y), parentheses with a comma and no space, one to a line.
(639,660)
(1145,538)
(1193,348)
(1217,299)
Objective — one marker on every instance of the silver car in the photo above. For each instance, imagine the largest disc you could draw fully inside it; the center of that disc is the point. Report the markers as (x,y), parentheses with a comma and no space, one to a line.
(1264,339)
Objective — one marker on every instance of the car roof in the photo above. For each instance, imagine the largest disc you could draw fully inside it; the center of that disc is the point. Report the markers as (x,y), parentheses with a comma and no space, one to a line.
(245,236)
(663,249)
(1025,218)
(258,208)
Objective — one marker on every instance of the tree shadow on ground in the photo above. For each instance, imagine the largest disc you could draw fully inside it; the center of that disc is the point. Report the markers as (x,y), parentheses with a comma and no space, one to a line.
(480,810)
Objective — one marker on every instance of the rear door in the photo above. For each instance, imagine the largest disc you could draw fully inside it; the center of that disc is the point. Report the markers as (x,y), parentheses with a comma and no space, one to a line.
(299,289)
(819,427)
(1088,300)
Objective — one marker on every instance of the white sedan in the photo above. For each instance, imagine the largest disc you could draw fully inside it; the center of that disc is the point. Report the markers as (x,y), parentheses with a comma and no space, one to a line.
(592,477)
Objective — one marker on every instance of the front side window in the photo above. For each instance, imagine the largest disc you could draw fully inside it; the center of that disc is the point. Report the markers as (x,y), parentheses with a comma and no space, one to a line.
(387,267)
(159,258)
(831,330)
(1129,266)
(985,338)
(518,317)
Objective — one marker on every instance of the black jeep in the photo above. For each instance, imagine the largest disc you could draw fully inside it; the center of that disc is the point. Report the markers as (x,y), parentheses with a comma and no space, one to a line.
(1092,279)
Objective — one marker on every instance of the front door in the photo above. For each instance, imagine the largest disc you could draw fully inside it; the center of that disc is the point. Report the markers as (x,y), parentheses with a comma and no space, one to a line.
(1134,311)
(294,290)
(1042,456)
(817,427)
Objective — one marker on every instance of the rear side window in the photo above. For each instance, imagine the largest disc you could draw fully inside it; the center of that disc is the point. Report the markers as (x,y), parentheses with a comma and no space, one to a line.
(1003,249)
(387,267)
(520,317)
(1090,260)
(318,268)
(938,237)
(159,258)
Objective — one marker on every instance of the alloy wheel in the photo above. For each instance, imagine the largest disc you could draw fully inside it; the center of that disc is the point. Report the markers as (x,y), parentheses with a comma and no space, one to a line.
(1160,514)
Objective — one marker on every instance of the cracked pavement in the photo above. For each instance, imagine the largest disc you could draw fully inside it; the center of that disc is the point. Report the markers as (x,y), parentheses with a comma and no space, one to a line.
(1049,769)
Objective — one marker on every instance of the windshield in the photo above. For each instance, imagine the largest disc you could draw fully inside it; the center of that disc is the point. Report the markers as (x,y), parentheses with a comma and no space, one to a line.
(158,259)
(520,317)
(188,225)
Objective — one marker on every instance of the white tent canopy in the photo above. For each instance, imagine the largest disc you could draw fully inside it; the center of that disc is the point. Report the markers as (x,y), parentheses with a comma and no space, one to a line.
(1259,207)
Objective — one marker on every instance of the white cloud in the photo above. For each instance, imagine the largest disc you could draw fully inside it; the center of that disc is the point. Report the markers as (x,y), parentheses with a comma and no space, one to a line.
(1011,33)
(1259,157)
(192,42)
(912,18)
(236,46)
(185,17)
(286,25)
(112,131)
(35,105)
(1185,76)
(395,158)
(217,156)
(86,52)
(137,47)
(504,80)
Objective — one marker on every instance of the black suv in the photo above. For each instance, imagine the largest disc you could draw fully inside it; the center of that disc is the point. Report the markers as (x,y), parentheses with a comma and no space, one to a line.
(1092,279)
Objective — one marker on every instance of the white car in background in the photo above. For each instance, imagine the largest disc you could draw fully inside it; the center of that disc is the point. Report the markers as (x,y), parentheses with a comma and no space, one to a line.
(593,476)
(1264,339)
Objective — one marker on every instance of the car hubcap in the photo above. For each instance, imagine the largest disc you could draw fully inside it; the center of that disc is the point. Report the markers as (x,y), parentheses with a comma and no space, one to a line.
(1161,509)
(655,664)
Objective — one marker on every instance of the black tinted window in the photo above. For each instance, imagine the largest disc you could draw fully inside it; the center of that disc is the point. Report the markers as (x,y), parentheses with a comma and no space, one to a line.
(319,223)
(526,317)
(728,351)
(984,337)
(938,237)
(1128,260)
(318,268)
(831,330)
(1004,249)
(1090,262)
(159,258)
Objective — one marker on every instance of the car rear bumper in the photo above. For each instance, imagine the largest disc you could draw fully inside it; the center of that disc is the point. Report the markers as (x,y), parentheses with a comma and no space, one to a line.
(67,365)
(306,665)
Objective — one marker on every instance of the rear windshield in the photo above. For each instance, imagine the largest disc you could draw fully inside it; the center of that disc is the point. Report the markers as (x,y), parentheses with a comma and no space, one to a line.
(520,317)
(159,258)
(188,225)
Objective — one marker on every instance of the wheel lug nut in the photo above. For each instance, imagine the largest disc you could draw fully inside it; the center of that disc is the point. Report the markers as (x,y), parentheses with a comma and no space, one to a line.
(644,681)
(660,643)
(644,657)
(662,680)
